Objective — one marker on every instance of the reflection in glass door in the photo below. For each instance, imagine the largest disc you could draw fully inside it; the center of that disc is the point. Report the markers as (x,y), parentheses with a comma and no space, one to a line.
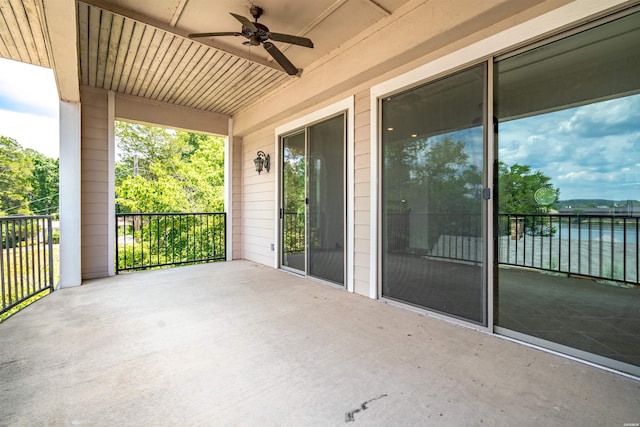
(568,199)
(432,196)
(313,200)
(293,202)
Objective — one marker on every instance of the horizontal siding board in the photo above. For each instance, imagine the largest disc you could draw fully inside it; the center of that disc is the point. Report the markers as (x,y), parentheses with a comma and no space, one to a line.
(95,230)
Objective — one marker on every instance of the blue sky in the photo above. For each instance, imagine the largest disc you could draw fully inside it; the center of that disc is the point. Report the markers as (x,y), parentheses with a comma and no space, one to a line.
(589,152)
(29,106)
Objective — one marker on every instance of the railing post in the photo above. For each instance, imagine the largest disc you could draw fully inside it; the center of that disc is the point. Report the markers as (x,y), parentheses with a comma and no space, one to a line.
(50,240)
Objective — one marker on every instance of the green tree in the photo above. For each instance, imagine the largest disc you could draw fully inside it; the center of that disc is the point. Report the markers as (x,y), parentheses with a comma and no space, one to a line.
(517,185)
(165,171)
(433,181)
(15,178)
(43,199)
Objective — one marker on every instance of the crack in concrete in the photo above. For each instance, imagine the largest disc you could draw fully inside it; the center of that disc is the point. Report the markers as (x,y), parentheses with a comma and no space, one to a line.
(350,416)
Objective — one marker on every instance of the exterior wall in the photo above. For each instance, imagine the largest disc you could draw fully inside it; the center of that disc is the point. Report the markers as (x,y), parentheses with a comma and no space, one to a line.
(136,109)
(97,198)
(387,53)
(362,194)
(237,198)
(258,199)
(94,182)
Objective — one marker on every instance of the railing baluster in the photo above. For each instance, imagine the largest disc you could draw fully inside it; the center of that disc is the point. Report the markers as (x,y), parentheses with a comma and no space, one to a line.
(624,258)
(612,251)
(24,242)
(193,237)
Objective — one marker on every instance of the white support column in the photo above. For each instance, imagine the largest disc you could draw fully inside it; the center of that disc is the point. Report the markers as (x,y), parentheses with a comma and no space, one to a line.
(70,238)
(228,188)
(111,196)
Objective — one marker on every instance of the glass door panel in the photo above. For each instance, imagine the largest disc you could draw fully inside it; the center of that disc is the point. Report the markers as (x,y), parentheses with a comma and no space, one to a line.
(293,202)
(568,200)
(432,205)
(326,192)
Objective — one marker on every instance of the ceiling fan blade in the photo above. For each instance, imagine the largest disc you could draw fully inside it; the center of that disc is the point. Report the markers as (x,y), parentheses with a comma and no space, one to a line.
(280,58)
(287,38)
(245,22)
(224,33)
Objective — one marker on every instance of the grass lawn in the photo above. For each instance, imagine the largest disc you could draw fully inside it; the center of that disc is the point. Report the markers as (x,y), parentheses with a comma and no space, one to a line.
(27,276)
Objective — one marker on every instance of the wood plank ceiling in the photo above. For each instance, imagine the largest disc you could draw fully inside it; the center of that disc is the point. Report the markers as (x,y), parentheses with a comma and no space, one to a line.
(126,51)
(129,57)
(21,33)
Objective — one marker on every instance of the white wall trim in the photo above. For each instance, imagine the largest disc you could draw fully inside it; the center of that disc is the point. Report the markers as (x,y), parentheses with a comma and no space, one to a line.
(374,190)
(111,184)
(70,195)
(498,43)
(228,188)
(348,105)
(517,36)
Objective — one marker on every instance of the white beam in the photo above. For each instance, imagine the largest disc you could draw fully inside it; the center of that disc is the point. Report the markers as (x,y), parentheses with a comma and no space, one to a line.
(228,188)
(61,31)
(146,20)
(178,12)
(111,184)
(70,229)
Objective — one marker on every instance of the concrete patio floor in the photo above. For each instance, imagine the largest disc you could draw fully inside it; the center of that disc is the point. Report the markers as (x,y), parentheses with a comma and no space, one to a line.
(241,344)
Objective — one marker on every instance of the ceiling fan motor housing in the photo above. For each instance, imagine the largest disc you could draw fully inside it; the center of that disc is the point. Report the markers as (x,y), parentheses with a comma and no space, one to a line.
(256,12)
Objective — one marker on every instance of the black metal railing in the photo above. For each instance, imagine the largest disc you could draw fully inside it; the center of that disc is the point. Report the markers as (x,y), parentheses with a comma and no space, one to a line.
(450,236)
(599,246)
(153,240)
(604,247)
(26,259)
(293,233)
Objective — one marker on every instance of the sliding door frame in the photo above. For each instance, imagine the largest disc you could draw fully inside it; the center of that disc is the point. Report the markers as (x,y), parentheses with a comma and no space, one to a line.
(345,106)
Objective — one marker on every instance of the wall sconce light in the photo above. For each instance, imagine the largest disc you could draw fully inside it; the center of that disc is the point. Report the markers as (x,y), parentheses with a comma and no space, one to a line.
(263,161)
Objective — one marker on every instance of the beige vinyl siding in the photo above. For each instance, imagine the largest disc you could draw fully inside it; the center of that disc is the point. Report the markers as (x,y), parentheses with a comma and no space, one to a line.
(258,203)
(361,263)
(95,185)
(237,168)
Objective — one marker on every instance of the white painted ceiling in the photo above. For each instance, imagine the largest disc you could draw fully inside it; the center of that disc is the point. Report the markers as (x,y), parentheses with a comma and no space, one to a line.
(141,47)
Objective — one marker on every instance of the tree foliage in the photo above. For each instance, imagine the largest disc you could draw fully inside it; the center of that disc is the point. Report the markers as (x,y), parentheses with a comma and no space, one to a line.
(517,185)
(44,180)
(15,178)
(164,171)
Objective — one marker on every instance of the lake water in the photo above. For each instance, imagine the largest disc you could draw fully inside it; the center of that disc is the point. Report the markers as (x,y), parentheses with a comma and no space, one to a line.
(603,233)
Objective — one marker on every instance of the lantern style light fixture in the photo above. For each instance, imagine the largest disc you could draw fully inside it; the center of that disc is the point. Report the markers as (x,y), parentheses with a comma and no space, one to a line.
(263,161)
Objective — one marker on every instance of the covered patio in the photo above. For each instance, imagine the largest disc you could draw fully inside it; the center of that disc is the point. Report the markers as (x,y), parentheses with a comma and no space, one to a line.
(238,343)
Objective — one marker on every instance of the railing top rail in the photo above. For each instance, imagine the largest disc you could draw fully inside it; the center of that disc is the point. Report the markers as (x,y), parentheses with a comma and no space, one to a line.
(169,213)
(572,215)
(22,217)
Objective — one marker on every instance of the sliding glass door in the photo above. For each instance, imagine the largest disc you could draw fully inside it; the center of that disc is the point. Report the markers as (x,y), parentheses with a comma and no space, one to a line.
(433,209)
(313,200)
(568,199)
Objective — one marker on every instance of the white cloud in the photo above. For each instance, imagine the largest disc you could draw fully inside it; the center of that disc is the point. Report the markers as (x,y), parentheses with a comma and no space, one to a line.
(31,131)
(588,152)
(29,106)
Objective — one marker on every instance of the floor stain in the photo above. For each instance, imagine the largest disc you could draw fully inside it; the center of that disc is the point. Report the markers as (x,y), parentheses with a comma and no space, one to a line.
(350,416)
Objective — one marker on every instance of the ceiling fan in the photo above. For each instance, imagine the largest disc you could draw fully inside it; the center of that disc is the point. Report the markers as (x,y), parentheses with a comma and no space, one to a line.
(257,34)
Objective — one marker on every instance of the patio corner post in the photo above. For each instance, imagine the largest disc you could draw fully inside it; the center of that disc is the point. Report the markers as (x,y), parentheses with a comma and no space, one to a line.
(70,239)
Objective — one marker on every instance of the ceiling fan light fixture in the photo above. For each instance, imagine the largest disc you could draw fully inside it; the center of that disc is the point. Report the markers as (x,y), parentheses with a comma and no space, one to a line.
(259,34)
